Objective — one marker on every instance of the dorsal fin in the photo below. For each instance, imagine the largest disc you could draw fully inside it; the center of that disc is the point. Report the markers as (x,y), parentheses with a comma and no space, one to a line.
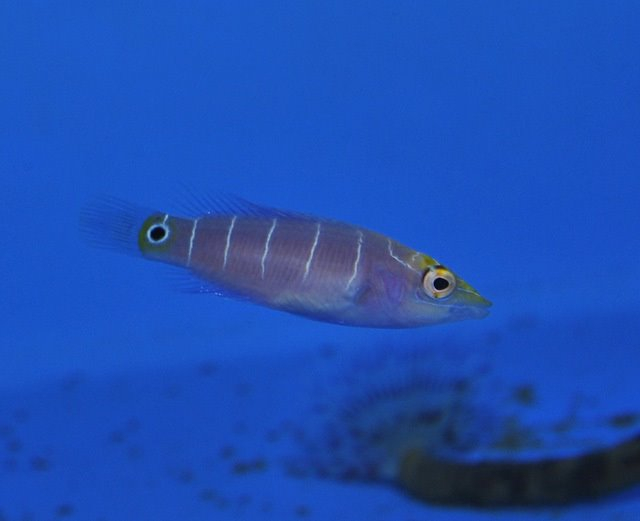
(198,204)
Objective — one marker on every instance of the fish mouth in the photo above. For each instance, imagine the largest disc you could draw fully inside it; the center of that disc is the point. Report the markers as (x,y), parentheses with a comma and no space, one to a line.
(469,296)
(479,301)
(475,304)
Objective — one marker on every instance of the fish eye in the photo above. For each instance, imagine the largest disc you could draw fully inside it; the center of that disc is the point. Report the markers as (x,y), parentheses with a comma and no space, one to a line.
(158,233)
(439,282)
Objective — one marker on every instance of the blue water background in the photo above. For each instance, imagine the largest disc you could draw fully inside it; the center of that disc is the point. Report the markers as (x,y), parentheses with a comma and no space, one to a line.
(500,137)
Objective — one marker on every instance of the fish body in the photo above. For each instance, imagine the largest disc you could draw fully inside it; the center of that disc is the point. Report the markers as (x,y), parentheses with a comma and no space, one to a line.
(319,268)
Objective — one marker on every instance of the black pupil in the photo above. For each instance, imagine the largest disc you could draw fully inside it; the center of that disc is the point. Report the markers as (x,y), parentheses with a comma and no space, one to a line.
(157,233)
(440,284)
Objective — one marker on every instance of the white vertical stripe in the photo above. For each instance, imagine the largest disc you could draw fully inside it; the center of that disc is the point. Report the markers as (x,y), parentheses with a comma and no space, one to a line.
(312,252)
(356,264)
(266,246)
(226,248)
(394,256)
(166,216)
(193,236)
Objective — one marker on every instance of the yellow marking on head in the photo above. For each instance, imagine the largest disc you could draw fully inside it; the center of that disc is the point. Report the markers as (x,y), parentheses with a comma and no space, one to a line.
(424,262)
(463,285)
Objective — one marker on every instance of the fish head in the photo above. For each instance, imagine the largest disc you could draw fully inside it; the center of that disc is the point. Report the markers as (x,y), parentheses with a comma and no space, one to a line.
(441,296)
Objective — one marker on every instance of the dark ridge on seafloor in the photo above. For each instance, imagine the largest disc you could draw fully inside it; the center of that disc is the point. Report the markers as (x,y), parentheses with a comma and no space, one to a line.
(501,483)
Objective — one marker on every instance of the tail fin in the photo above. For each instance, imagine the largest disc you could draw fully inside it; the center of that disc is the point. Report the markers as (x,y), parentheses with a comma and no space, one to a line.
(113,224)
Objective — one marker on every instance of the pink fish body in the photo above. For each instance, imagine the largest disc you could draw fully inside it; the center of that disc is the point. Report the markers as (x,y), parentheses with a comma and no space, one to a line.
(319,268)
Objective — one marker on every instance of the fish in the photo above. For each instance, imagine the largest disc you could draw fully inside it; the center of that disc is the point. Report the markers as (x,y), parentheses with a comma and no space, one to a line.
(319,268)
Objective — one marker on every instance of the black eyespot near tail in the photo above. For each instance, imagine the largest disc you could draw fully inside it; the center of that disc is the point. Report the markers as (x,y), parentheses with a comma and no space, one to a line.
(113,224)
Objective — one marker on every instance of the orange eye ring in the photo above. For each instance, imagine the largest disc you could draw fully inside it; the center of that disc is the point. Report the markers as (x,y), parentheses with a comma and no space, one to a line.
(438,282)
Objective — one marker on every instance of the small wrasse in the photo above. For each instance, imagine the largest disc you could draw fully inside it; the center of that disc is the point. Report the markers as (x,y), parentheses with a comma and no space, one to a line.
(319,268)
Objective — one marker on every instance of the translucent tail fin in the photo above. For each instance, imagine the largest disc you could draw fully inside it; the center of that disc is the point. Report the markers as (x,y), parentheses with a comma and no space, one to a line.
(113,224)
